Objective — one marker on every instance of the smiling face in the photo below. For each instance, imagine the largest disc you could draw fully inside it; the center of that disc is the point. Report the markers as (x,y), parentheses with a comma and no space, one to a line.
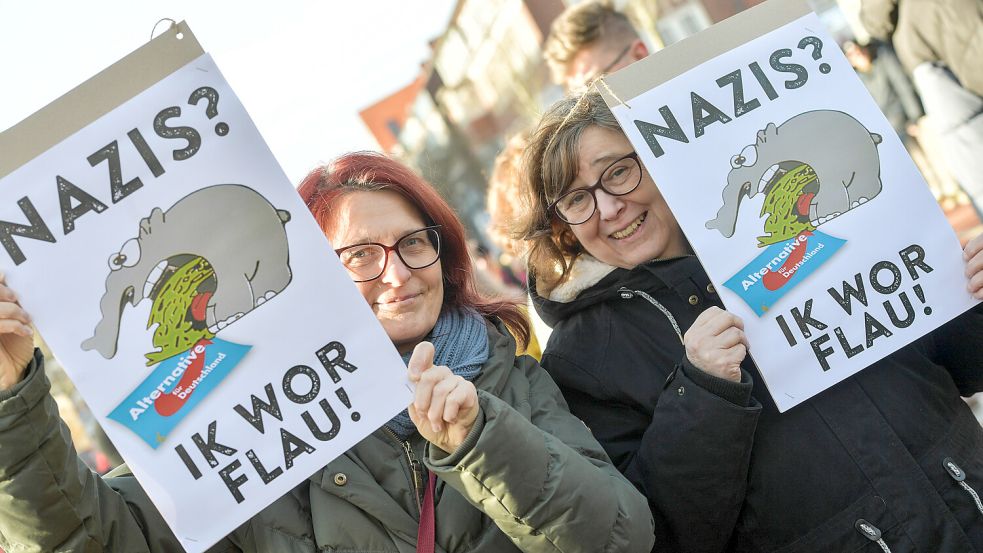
(406,301)
(626,230)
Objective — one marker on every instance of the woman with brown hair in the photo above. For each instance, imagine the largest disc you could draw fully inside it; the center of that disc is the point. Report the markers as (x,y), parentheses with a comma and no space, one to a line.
(888,460)
(485,459)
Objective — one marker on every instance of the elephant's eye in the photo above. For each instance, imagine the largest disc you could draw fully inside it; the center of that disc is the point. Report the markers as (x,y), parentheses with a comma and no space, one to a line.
(748,156)
(128,256)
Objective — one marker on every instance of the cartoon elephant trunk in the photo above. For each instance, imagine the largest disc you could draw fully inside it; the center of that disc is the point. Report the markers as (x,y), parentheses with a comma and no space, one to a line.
(726,220)
(106,334)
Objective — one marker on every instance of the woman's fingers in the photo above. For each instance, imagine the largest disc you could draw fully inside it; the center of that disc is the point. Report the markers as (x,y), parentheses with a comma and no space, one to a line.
(425,387)
(420,360)
(973,254)
(721,321)
(717,344)
(13,326)
(973,247)
(974,271)
(438,400)
(730,337)
(14,312)
(7,295)
(462,400)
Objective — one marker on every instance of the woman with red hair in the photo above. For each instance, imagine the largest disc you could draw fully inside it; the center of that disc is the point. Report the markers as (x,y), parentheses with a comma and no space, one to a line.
(485,459)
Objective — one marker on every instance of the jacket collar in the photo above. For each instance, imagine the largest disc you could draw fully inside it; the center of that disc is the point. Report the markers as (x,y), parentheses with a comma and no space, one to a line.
(585,272)
(590,282)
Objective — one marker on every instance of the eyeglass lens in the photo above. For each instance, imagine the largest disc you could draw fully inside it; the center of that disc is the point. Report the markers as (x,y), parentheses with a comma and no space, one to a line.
(620,178)
(417,250)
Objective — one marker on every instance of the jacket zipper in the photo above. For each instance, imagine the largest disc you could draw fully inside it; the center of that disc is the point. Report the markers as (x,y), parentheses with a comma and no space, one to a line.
(627,294)
(872,533)
(414,468)
(959,476)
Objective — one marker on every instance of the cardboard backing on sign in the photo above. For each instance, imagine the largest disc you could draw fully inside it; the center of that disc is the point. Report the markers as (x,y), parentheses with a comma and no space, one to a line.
(97,96)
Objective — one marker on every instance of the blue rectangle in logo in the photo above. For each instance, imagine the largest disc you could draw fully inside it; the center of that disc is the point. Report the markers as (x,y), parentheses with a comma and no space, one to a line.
(175,387)
(781,267)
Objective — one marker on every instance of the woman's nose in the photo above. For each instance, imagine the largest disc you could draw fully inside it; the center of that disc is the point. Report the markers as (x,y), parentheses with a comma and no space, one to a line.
(609,206)
(395,273)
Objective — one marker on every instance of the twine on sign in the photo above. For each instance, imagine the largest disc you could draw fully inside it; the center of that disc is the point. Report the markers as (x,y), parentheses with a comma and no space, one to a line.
(611,92)
(159,21)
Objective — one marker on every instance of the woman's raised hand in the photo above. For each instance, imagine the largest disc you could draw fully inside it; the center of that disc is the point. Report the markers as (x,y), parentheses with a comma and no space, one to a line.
(973,254)
(16,338)
(716,343)
(445,405)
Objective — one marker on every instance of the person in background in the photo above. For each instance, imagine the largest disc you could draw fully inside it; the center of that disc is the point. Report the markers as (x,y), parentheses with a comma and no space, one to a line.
(879,69)
(505,202)
(940,44)
(485,459)
(588,40)
(890,459)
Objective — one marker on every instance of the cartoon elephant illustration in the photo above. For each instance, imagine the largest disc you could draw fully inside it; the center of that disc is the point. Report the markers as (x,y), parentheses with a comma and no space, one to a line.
(841,151)
(233,227)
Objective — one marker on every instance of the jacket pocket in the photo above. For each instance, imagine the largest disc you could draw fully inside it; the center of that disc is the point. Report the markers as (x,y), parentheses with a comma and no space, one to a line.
(852,531)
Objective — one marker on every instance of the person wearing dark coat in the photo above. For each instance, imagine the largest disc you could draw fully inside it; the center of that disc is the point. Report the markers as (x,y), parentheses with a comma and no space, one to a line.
(890,459)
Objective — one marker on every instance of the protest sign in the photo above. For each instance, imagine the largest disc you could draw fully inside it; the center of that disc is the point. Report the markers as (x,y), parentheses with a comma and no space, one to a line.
(796,194)
(181,281)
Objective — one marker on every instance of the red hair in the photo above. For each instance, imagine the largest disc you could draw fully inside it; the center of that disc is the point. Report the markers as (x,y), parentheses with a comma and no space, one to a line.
(369,172)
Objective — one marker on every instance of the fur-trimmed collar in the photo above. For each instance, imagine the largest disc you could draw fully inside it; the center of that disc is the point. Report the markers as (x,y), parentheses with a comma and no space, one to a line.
(585,272)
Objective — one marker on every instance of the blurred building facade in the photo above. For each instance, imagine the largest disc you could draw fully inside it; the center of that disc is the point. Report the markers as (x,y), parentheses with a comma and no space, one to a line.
(486,81)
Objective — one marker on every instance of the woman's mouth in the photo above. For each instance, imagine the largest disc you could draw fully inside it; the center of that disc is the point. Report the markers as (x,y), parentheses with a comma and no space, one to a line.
(631,229)
(396,302)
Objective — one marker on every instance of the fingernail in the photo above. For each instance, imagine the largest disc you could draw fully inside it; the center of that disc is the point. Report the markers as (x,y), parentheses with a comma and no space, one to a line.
(435,426)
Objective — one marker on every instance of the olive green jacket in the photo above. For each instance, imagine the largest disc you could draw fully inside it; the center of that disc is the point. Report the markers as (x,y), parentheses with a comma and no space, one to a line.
(529,477)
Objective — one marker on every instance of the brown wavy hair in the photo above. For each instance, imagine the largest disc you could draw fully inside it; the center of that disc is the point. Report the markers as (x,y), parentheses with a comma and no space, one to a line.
(370,172)
(505,200)
(549,165)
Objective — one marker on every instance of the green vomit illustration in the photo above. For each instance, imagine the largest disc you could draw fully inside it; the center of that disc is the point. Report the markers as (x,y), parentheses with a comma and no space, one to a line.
(811,169)
(204,263)
(783,208)
(179,310)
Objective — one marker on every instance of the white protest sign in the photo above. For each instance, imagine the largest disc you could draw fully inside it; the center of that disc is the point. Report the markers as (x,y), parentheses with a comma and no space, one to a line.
(796,194)
(193,300)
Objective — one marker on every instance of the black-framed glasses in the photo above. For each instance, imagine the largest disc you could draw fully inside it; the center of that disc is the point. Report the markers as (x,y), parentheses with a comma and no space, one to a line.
(611,65)
(578,205)
(367,261)
(587,79)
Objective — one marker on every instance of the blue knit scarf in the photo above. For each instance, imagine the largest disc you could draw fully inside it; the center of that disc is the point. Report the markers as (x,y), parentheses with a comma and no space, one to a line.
(460,343)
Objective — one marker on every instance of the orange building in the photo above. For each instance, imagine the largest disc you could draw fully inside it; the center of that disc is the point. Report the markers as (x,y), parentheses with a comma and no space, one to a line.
(386,118)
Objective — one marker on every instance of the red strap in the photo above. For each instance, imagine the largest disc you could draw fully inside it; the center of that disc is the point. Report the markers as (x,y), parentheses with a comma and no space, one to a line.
(425,534)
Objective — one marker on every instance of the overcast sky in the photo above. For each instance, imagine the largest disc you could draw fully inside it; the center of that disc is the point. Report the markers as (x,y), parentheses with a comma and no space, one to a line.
(302,69)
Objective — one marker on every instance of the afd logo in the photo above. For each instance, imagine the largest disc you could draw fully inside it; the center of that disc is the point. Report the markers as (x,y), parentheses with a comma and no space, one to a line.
(175,387)
(781,267)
